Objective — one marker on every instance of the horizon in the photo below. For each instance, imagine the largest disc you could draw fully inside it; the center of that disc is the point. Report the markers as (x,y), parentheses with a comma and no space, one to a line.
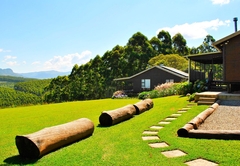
(46,35)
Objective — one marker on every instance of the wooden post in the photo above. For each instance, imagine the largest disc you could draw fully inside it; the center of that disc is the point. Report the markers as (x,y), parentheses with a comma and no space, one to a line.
(51,138)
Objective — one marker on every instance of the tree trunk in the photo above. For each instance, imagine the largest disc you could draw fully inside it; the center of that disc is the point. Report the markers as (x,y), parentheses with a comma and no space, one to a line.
(51,138)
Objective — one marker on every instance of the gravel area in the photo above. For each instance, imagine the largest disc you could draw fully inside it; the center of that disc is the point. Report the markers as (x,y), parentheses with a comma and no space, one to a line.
(226,117)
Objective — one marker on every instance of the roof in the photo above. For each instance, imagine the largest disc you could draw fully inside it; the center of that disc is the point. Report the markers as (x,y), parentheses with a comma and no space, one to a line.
(207,58)
(225,39)
(213,57)
(164,68)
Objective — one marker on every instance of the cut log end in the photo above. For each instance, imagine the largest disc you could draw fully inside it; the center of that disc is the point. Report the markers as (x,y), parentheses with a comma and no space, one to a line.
(105,119)
(182,132)
(26,147)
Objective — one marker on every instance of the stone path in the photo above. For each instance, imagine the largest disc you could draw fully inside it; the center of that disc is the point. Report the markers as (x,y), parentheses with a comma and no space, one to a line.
(152,134)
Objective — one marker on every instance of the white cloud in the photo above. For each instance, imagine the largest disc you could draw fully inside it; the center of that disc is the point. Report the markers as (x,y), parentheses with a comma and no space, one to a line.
(2,50)
(10,60)
(195,30)
(66,63)
(8,57)
(220,2)
(11,63)
(36,63)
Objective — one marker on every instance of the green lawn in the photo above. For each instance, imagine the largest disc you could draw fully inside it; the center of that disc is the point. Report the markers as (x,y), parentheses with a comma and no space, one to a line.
(120,144)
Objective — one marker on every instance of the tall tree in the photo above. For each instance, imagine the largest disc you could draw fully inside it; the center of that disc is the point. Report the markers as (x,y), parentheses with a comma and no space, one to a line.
(156,44)
(138,52)
(166,40)
(180,44)
(207,46)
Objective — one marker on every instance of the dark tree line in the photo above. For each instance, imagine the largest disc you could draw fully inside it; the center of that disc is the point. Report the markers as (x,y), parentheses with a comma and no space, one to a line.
(94,80)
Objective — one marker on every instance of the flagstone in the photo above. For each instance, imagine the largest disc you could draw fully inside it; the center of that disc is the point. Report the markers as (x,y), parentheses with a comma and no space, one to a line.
(150,138)
(200,162)
(158,145)
(173,153)
(150,132)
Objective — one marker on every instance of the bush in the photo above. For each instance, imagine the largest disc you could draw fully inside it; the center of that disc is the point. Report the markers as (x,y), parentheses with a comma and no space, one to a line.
(144,95)
(184,88)
(119,94)
(199,86)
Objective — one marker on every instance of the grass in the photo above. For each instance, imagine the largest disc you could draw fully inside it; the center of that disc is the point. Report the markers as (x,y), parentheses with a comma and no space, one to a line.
(120,144)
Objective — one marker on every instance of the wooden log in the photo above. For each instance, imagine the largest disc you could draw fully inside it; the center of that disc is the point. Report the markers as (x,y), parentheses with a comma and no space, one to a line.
(143,105)
(48,139)
(108,118)
(197,121)
(215,134)
(183,132)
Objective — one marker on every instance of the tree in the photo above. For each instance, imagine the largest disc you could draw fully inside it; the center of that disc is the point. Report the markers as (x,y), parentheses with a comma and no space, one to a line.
(207,46)
(138,51)
(171,60)
(166,42)
(156,44)
(180,44)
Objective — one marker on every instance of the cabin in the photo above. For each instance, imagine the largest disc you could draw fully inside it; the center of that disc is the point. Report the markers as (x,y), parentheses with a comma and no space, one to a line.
(150,78)
(227,56)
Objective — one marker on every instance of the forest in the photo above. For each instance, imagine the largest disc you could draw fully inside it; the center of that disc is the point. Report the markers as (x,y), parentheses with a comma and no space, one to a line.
(94,80)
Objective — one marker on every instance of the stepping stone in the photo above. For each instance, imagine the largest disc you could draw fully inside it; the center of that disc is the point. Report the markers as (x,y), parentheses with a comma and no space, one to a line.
(150,132)
(170,119)
(164,123)
(158,145)
(156,127)
(200,162)
(175,115)
(150,138)
(180,112)
(187,108)
(173,153)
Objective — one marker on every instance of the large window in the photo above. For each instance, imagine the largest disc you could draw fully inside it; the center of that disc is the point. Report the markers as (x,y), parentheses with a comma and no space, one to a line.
(146,83)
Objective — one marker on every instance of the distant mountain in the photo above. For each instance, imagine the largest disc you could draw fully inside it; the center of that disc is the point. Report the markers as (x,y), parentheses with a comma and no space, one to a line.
(44,74)
(39,75)
(8,72)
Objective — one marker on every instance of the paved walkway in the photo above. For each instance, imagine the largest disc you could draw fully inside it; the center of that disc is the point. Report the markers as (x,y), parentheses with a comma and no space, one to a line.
(152,134)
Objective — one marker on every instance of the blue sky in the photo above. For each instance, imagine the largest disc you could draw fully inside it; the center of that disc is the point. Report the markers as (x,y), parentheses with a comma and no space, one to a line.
(41,35)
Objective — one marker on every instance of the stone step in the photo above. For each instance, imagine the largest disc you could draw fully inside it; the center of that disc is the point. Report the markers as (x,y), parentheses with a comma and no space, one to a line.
(205,103)
(208,99)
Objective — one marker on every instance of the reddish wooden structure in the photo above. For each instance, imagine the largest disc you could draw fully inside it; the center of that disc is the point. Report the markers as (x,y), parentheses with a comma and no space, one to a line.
(228,55)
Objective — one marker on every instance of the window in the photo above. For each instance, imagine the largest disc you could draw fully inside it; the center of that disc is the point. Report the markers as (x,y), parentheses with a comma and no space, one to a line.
(170,80)
(146,83)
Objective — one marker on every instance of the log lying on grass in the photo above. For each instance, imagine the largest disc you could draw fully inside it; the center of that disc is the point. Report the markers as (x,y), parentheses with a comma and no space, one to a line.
(215,134)
(197,121)
(143,105)
(108,118)
(48,139)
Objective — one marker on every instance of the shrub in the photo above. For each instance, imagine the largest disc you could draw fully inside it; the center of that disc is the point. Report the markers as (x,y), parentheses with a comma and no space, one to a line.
(119,94)
(184,88)
(199,86)
(144,95)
